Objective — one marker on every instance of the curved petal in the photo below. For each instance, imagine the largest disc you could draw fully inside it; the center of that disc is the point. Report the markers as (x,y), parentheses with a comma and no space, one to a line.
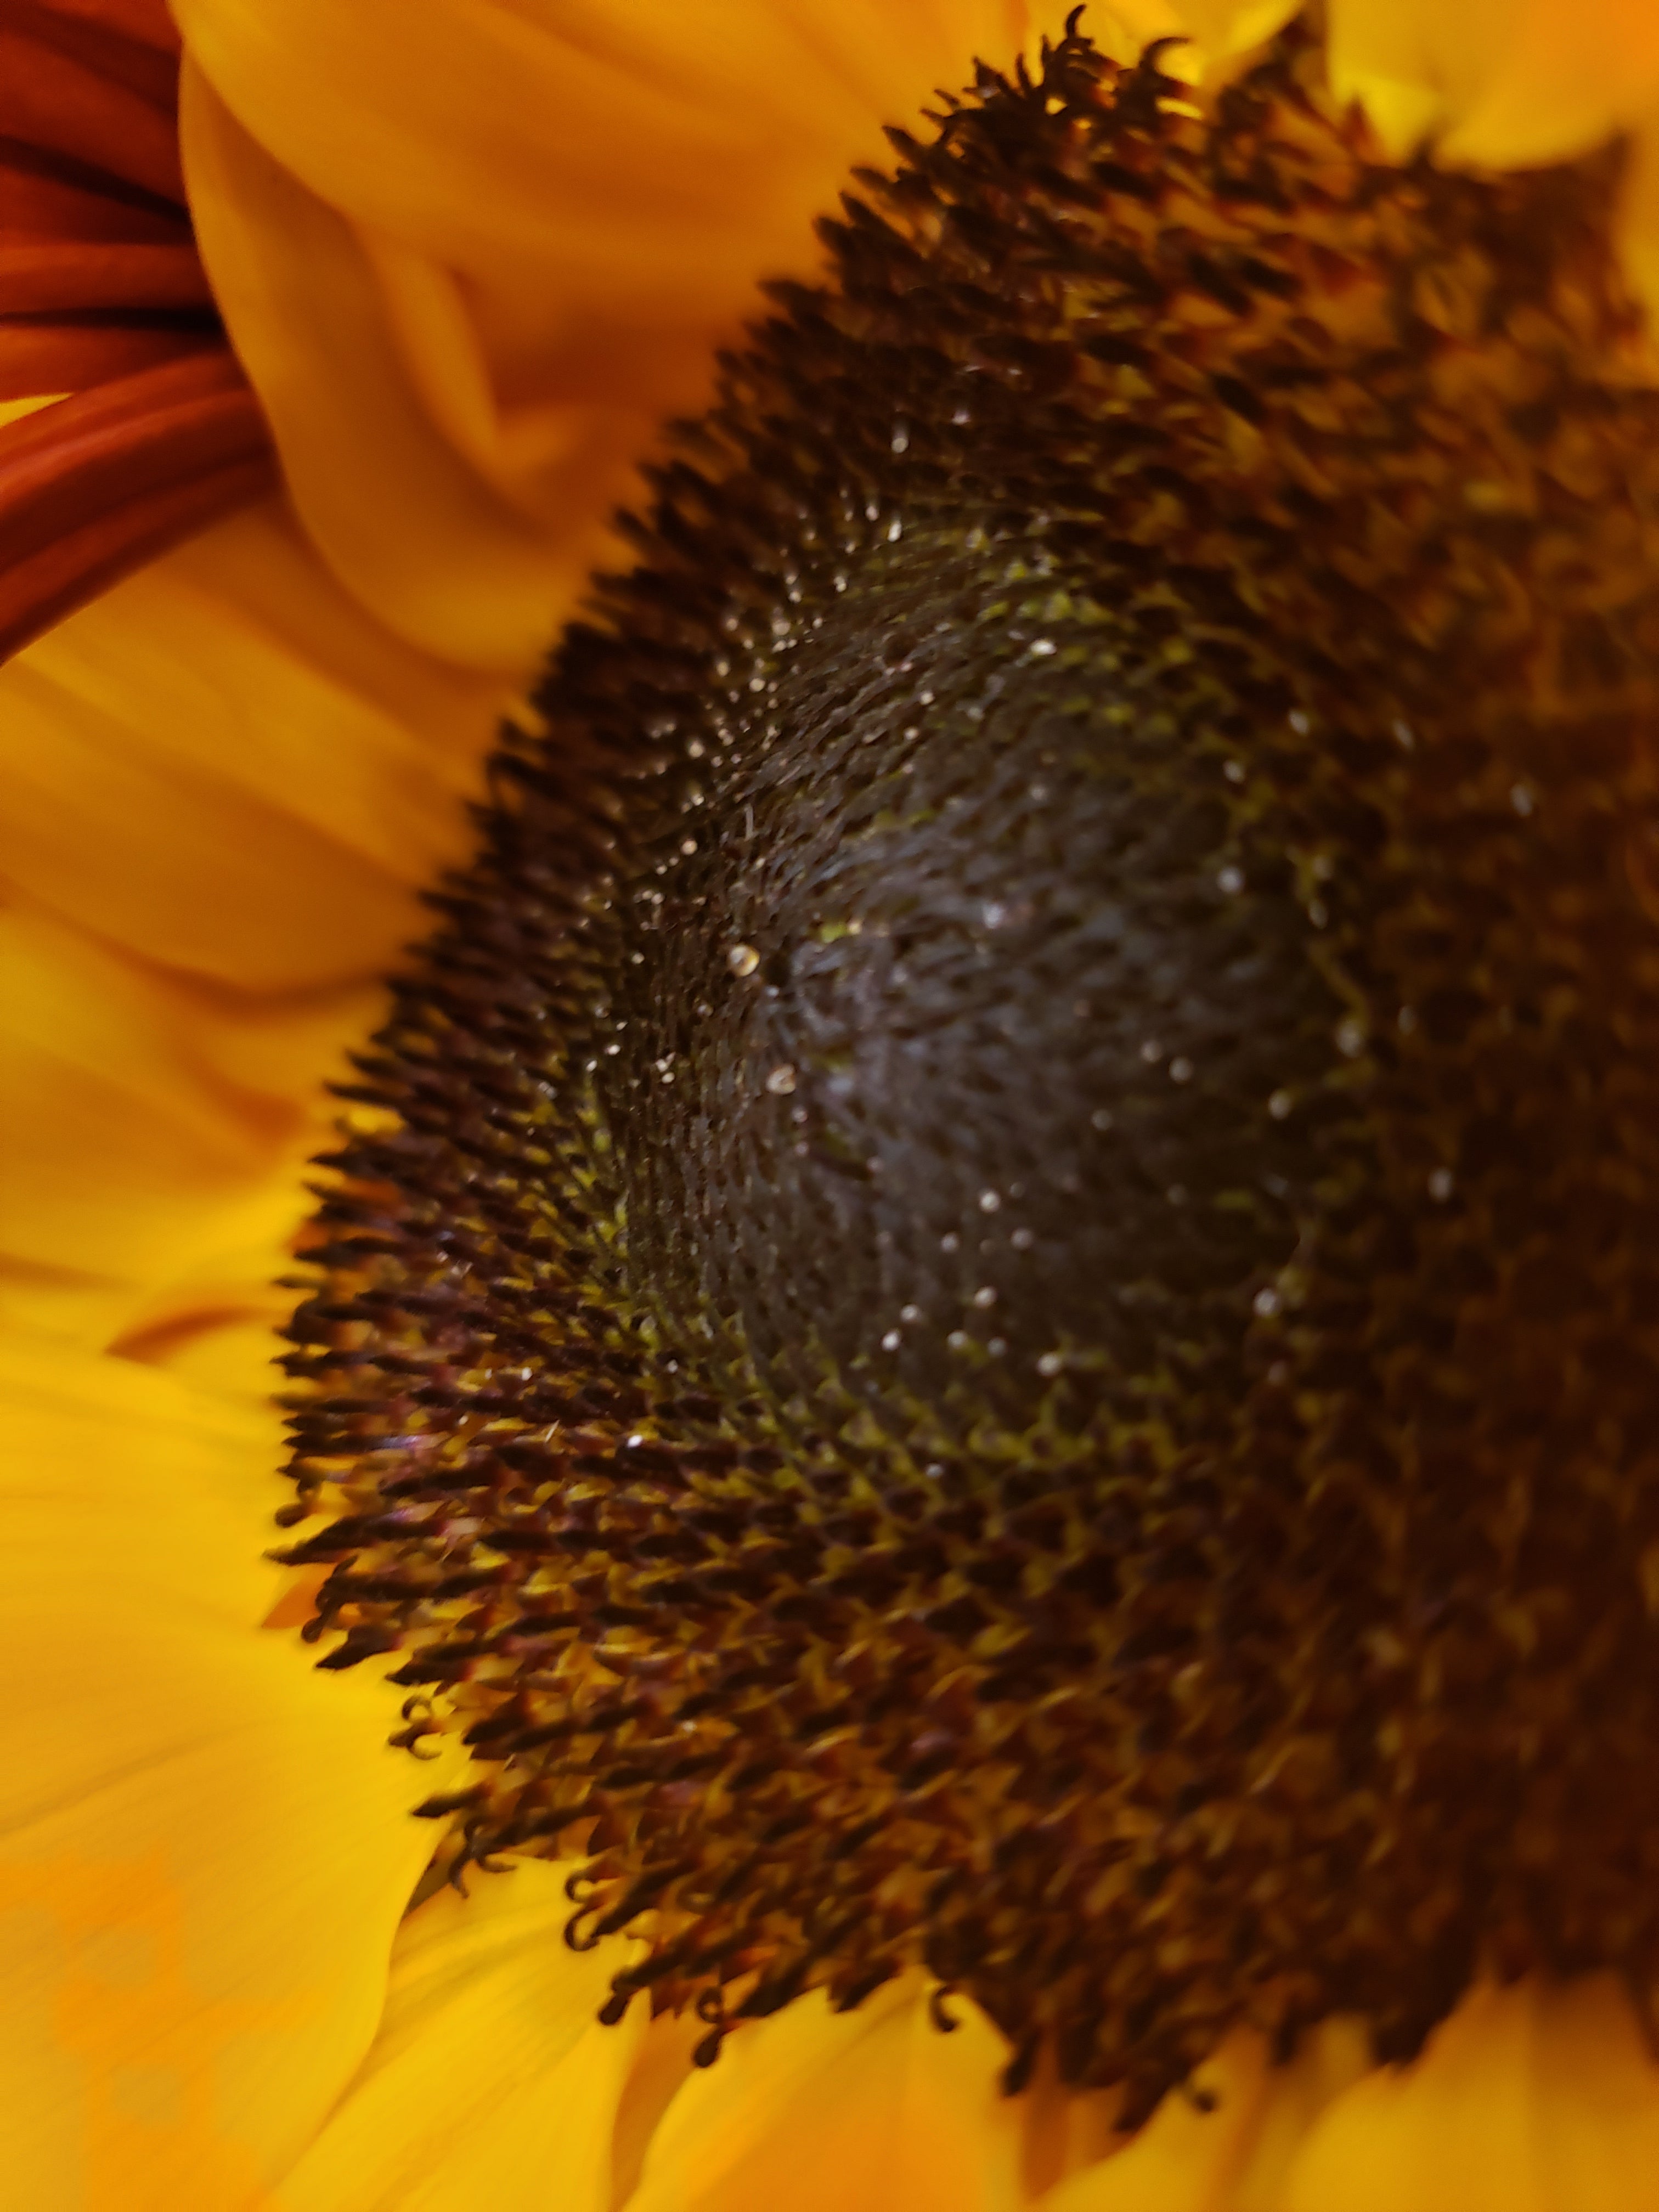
(400,514)
(1503,82)
(470,254)
(146,1136)
(1191,2154)
(1225,2142)
(1532,2098)
(222,787)
(224,767)
(204,1845)
(490,2082)
(820,2110)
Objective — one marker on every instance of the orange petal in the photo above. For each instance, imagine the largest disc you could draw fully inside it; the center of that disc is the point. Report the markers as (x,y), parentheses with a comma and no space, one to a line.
(97,482)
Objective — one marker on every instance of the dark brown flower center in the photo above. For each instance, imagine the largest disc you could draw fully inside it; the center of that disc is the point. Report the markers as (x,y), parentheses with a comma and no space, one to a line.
(997,1307)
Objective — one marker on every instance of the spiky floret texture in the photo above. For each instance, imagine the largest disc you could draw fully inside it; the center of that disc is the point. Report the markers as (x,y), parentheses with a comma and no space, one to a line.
(992,1299)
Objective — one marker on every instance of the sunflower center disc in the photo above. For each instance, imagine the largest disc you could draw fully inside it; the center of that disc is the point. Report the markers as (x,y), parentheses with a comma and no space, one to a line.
(993,1299)
(977,1028)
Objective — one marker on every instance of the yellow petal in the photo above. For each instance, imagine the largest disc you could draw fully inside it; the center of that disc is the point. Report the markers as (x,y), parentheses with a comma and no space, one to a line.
(1328,2060)
(1529,2099)
(1192,2153)
(204,1845)
(819,2111)
(114,1469)
(1503,82)
(14,411)
(224,767)
(401,516)
(223,786)
(1213,37)
(490,2083)
(471,255)
(145,1135)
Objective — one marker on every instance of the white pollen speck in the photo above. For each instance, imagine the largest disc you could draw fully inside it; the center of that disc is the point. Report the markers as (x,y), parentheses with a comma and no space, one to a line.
(1267,1303)
(1181,1069)
(891,1342)
(925,698)
(1234,771)
(1299,722)
(910,1313)
(1404,736)
(985,1296)
(1050,1363)
(1101,1119)
(781,1081)
(1318,913)
(1280,1104)
(1440,1185)
(1040,647)
(996,1346)
(1022,1240)
(688,845)
(949,1241)
(957,1340)
(895,530)
(1152,1051)
(989,1200)
(1230,880)
(742,959)
(1522,798)
(1350,1037)
(696,748)
(995,913)
(901,439)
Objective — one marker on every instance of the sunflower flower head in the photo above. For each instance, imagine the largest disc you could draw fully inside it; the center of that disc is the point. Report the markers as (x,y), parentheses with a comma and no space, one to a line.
(989,1309)
(980,1341)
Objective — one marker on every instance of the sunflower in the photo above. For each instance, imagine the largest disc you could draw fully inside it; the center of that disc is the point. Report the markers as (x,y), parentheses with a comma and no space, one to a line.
(970,1545)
